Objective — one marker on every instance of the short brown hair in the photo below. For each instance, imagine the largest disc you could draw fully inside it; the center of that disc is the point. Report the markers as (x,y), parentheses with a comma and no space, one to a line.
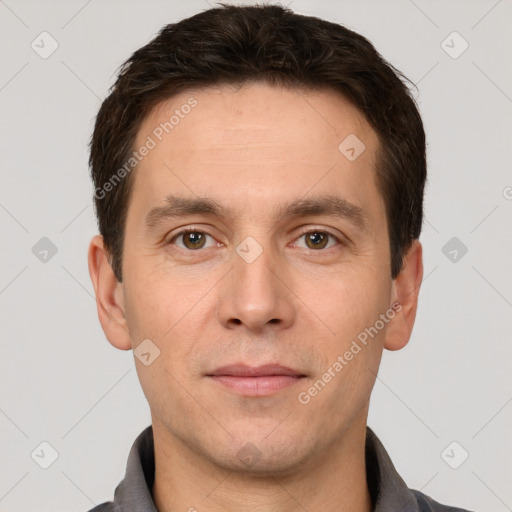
(270,43)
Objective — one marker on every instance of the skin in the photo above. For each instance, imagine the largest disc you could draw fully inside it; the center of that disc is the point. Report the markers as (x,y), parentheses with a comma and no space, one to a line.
(252,149)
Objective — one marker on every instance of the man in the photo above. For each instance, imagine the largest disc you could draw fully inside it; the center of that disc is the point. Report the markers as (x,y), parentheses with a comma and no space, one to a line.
(259,182)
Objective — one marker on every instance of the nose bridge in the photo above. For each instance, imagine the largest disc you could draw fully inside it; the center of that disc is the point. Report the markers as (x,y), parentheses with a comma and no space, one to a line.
(254,275)
(254,294)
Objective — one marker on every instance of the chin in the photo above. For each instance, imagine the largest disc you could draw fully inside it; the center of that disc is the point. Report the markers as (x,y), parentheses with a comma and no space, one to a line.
(265,455)
(263,463)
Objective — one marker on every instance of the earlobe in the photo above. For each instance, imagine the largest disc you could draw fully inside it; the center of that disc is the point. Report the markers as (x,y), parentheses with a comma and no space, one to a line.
(405,292)
(109,296)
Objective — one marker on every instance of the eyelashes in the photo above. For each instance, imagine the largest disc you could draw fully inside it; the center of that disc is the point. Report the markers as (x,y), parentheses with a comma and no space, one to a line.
(199,241)
(189,231)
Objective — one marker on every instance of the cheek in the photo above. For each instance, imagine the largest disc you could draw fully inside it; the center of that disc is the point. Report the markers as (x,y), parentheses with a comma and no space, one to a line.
(350,304)
(156,302)
(166,381)
(345,302)
(172,312)
(351,356)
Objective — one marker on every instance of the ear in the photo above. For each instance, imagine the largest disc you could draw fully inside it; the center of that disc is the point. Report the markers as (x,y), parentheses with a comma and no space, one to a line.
(109,296)
(405,290)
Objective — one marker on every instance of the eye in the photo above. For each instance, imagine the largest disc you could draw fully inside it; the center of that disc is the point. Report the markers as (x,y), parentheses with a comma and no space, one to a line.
(192,239)
(317,239)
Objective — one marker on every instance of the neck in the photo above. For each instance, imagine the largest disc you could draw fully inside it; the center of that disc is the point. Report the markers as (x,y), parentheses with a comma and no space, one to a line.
(335,480)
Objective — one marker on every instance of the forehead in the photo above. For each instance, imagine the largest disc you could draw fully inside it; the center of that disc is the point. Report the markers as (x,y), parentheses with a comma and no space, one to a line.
(256,112)
(252,142)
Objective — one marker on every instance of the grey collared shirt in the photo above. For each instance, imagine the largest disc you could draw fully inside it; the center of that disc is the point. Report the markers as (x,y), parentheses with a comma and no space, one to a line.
(388,491)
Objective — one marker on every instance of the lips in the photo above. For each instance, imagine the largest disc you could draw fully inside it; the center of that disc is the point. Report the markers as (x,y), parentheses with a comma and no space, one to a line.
(255,380)
(267,370)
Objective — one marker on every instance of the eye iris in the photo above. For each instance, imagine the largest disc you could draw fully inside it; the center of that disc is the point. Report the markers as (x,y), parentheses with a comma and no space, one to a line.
(319,240)
(193,240)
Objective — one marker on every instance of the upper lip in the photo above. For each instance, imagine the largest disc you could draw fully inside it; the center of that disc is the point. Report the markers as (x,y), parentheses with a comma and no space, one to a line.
(243,370)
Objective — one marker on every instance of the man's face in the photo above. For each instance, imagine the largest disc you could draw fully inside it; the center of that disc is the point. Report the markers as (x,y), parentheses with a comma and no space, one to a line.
(258,284)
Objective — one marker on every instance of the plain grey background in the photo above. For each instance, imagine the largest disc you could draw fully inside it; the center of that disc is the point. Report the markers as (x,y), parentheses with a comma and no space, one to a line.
(64,384)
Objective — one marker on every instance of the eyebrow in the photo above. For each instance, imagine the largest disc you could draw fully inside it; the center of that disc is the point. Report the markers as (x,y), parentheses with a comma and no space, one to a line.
(328,205)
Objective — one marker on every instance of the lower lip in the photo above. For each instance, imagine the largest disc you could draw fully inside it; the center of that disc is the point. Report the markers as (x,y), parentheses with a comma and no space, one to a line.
(256,386)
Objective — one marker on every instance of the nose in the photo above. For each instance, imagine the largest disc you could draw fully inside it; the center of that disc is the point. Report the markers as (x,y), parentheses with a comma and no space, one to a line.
(256,295)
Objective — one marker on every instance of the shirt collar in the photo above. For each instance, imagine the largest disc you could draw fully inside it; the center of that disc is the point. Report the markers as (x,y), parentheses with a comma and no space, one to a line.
(388,490)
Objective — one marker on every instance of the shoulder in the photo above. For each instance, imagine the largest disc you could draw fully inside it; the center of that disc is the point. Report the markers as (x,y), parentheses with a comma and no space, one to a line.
(108,506)
(427,504)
